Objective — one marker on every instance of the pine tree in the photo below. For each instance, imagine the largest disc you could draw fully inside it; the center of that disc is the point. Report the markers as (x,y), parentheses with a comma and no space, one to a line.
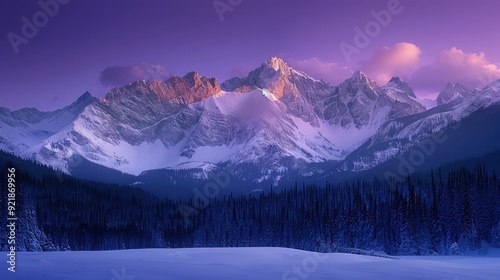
(455,250)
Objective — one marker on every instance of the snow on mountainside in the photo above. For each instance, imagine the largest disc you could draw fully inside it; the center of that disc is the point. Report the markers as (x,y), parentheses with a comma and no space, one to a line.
(400,92)
(295,89)
(369,104)
(276,118)
(453,93)
(399,135)
(25,128)
(243,127)
(358,101)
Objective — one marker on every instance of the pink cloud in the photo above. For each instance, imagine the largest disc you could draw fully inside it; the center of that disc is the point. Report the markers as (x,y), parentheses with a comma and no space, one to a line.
(456,66)
(398,60)
(328,71)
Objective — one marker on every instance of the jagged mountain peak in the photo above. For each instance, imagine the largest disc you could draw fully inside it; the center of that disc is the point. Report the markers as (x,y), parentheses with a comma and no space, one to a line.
(396,81)
(151,124)
(277,64)
(192,75)
(190,88)
(495,84)
(359,81)
(33,115)
(359,77)
(399,84)
(491,90)
(457,87)
(79,105)
(86,97)
(453,92)
(274,67)
(274,75)
(195,79)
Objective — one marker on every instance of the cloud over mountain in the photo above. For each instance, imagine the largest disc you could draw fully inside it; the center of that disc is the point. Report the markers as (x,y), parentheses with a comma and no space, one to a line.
(398,60)
(457,66)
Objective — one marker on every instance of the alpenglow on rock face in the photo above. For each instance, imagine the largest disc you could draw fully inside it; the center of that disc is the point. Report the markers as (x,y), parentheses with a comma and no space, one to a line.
(355,102)
(276,118)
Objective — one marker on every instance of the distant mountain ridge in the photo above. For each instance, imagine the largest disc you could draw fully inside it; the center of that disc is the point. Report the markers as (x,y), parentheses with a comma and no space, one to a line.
(277,119)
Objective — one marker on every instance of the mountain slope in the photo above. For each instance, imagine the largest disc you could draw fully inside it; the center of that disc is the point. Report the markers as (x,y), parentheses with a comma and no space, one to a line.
(276,119)
(398,136)
(24,128)
(454,92)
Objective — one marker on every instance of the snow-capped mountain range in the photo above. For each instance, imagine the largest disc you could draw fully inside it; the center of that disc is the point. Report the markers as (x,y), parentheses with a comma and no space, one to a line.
(277,118)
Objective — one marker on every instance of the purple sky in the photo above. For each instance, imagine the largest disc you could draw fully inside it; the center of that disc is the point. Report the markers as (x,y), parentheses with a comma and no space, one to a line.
(427,43)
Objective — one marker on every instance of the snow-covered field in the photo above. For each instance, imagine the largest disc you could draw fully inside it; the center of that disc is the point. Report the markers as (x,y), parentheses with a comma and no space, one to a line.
(243,263)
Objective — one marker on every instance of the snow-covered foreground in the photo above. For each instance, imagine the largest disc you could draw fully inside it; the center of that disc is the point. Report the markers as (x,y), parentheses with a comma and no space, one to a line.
(242,263)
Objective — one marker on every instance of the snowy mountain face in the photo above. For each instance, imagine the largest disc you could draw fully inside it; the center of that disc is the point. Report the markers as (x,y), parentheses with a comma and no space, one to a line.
(369,104)
(453,93)
(276,118)
(295,89)
(142,126)
(405,99)
(357,102)
(25,128)
(400,135)
(492,90)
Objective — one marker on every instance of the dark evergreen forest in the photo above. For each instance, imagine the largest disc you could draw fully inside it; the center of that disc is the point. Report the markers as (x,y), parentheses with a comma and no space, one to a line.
(420,216)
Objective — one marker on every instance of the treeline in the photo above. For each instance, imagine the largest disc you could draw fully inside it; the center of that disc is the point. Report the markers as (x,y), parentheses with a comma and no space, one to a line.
(59,212)
(418,216)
